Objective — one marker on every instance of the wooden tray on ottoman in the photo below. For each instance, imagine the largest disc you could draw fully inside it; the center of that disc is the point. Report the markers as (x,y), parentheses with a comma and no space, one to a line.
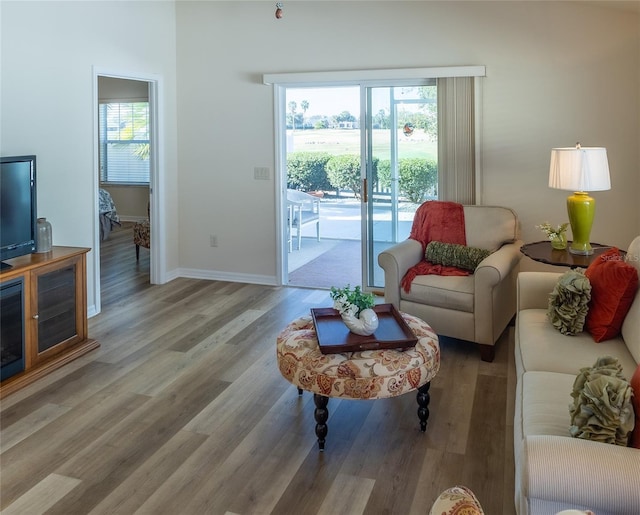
(334,336)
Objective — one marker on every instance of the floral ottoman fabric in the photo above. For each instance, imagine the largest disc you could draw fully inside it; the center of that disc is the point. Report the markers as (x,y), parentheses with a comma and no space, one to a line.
(142,233)
(371,374)
(457,500)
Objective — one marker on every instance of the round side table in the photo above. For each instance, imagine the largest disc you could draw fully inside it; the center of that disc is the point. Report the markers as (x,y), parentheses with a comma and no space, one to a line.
(371,374)
(543,252)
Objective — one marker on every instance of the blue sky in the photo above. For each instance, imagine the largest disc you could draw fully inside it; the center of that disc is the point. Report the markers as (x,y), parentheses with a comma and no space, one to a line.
(327,101)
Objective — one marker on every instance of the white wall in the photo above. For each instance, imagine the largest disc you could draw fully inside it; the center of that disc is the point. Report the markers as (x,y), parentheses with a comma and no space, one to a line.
(49,50)
(131,202)
(557,73)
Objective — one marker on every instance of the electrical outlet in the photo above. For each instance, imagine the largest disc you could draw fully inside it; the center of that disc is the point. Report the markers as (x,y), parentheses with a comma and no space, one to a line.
(213,240)
(261,173)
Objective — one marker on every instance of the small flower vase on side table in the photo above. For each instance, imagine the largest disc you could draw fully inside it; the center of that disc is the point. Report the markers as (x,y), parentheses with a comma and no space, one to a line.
(556,234)
(559,241)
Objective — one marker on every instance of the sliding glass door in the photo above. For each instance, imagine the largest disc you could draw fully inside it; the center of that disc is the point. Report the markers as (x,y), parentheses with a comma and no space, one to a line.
(401,151)
(367,157)
(323,169)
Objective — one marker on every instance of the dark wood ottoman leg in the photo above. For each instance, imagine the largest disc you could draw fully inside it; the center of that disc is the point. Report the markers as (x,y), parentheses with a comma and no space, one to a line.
(423,405)
(321,414)
(299,391)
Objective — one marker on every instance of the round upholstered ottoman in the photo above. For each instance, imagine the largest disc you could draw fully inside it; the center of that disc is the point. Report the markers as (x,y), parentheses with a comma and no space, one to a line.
(457,500)
(369,374)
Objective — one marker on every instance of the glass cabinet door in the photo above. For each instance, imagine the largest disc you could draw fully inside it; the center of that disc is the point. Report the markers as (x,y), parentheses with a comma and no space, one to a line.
(12,355)
(55,313)
(56,307)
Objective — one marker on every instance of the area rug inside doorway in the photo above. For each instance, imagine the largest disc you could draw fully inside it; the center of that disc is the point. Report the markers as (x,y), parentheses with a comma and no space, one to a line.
(339,266)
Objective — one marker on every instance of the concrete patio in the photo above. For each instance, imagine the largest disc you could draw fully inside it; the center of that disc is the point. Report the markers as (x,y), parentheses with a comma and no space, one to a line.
(340,221)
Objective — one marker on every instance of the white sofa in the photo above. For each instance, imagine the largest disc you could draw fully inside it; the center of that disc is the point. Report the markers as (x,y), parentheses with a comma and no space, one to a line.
(554,471)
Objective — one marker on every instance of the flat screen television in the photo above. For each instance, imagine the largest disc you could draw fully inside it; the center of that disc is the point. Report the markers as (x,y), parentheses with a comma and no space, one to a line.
(18,213)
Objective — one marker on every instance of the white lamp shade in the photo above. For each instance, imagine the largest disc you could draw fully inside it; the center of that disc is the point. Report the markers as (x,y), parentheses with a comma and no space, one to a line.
(579,169)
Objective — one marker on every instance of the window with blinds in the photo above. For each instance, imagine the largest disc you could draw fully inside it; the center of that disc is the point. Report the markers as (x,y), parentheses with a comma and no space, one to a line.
(124,143)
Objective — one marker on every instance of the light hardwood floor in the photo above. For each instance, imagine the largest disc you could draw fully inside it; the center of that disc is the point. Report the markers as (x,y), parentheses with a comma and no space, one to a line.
(182,410)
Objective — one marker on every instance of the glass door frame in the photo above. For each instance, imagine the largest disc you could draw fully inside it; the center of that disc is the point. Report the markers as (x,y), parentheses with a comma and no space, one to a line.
(361,78)
(369,257)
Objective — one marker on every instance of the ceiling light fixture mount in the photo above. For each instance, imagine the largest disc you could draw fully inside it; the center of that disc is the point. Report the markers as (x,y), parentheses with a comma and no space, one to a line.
(279,12)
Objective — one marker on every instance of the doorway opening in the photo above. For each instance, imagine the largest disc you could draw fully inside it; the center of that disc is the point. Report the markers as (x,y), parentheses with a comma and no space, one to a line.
(368,156)
(126,172)
(323,154)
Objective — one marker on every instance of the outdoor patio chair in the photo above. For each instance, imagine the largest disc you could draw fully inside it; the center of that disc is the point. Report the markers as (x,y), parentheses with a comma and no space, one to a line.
(302,209)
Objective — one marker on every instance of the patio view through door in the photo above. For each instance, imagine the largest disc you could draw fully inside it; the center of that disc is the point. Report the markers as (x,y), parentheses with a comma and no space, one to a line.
(335,138)
(401,165)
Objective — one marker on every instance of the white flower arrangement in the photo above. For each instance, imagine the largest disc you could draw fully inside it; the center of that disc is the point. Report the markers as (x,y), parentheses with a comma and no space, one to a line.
(351,302)
(553,232)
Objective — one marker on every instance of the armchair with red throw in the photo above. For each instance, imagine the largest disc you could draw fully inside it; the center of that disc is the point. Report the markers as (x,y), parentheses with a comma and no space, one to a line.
(474,305)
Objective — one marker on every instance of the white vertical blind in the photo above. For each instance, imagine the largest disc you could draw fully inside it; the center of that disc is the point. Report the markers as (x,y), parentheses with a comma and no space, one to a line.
(456,140)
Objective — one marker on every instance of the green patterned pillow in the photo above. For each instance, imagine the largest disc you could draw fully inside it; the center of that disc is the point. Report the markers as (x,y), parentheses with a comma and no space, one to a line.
(451,254)
(602,409)
(569,302)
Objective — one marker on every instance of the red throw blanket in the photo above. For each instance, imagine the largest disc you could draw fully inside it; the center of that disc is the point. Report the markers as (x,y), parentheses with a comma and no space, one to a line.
(436,220)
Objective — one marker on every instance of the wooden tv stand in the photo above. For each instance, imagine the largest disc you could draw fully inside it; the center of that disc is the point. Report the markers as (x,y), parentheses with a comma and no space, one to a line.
(54,315)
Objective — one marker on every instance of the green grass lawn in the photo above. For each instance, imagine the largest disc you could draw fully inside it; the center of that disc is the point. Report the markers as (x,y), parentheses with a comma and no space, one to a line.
(347,141)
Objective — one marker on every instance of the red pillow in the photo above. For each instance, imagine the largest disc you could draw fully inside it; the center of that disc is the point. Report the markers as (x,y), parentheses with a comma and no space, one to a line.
(635,386)
(613,288)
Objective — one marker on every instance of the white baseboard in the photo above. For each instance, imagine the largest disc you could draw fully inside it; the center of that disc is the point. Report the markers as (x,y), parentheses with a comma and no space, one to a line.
(212,275)
(192,273)
(127,218)
(171,275)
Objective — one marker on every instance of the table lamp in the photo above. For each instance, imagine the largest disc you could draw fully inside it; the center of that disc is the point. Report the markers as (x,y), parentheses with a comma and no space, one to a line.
(580,169)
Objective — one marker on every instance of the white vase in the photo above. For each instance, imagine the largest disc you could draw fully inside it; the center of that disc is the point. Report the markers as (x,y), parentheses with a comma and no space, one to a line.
(364,325)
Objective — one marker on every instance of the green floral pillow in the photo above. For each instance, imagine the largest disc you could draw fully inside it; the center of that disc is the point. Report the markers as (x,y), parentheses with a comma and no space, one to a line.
(602,409)
(451,254)
(569,302)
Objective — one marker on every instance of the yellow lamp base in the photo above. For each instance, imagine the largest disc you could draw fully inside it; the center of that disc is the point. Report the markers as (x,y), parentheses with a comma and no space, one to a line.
(581,209)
